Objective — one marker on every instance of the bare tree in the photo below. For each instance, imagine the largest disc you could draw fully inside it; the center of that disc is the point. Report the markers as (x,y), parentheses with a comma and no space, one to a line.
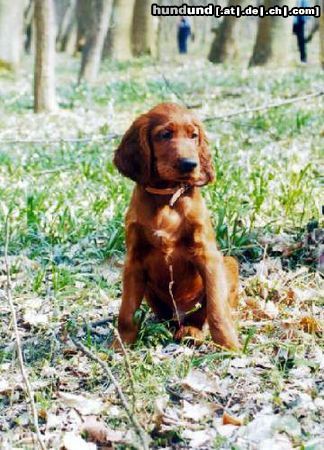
(224,46)
(274,38)
(83,14)
(66,26)
(28,26)
(144,33)
(92,50)
(120,46)
(44,70)
(11,33)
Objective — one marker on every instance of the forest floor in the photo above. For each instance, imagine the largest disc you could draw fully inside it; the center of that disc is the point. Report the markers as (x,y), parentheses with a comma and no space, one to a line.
(66,204)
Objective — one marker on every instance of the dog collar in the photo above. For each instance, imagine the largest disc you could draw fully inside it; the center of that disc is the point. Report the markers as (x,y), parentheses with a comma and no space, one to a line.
(175,192)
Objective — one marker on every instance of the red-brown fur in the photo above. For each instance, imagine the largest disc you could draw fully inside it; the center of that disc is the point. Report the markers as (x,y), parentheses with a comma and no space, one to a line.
(159,235)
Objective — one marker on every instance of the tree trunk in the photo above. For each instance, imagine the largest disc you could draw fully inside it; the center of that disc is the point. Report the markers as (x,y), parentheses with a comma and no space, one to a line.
(274,38)
(60,8)
(71,42)
(83,13)
(66,26)
(11,33)
(91,54)
(223,48)
(121,48)
(321,34)
(28,26)
(44,70)
(144,34)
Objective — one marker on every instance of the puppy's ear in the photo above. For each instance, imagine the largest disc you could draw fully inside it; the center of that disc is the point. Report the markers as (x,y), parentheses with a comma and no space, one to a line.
(133,156)
(207,173)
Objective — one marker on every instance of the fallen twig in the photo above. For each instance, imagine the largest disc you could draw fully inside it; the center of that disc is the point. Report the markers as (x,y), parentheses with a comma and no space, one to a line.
(110,137)
(132,418)
(169,86)
(97,323)
(85,140)
(127,365)
(9,346)
(29,389)
(264,107)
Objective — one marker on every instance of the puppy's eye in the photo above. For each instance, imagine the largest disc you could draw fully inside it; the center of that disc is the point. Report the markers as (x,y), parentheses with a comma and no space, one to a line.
(194,135)
(167,134)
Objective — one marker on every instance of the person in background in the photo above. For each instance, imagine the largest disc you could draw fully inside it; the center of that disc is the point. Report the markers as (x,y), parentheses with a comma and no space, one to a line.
(299,30)
(184,31)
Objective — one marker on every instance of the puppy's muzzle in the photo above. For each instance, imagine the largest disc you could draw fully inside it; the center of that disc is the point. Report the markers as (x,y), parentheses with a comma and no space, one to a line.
(187,165)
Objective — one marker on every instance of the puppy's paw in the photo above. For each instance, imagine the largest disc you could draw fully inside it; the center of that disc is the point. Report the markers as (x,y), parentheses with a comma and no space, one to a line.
(192,334)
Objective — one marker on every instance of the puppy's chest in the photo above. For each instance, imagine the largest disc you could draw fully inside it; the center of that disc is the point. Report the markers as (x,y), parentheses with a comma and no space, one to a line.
(168,230)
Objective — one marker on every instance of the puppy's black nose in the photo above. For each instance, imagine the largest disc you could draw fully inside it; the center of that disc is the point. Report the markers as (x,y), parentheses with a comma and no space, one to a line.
(187,165)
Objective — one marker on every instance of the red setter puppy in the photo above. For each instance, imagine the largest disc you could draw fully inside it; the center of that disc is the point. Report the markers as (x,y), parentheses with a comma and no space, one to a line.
(172,257)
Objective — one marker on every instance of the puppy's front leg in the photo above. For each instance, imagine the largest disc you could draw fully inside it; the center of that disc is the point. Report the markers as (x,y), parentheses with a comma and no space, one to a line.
(133,292)
(212,270)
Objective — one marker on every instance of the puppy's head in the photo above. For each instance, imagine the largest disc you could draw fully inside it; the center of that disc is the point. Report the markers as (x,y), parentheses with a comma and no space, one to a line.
(167,144)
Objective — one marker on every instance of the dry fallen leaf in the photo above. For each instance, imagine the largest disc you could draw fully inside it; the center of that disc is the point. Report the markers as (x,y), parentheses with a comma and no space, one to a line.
(310,325)
(11,385)
(96,431)
(271,309)
(53,421)
(31,318)
(72,441)
(198,411)
(224,430)
(34,303)
(160,405)
(252,302)
(278,442)
(231,420)
(198,438)
(42,413)
(4,386)
(290,297)
(304,295)
(200,382)
(268,426)
(85,406)
(261,310)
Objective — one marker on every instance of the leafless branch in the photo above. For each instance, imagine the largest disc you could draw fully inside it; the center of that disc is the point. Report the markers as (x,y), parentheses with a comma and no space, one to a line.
(132,418)
(264,107)
(29,389)
(127,365)
(112,136)
(9,346)
(67,140)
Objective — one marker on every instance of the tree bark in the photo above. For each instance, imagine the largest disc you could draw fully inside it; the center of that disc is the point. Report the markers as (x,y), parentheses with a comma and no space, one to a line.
(66,26)
(121,48)
(60,8)
(44,70)
(92,51)
(11,33)
(28,26)
(223,48)
(274,38)
(83,13)
(144,33)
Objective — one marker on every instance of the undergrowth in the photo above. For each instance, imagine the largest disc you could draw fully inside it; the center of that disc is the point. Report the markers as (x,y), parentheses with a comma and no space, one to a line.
(67,205)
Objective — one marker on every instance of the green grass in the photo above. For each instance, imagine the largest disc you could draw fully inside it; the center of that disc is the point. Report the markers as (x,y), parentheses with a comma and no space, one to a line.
(67,205)
(61,196)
